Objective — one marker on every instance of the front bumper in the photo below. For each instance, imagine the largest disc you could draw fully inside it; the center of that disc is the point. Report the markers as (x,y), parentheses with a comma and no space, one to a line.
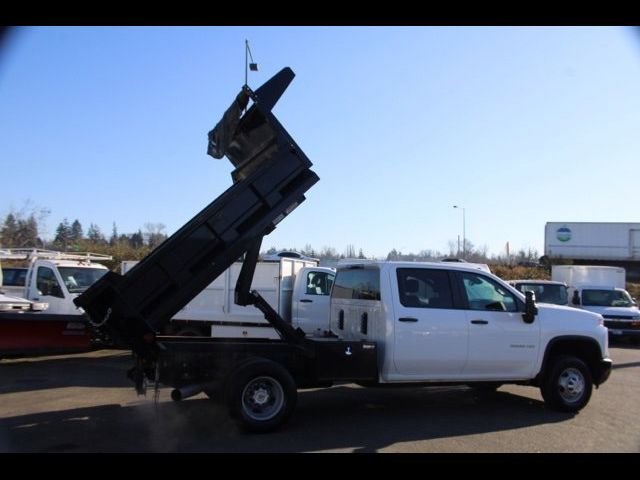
(602,371)
(623,332)
(622,327)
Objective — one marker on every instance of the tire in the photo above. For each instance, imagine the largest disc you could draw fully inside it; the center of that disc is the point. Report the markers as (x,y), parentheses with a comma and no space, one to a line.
(567,386)
(261,395)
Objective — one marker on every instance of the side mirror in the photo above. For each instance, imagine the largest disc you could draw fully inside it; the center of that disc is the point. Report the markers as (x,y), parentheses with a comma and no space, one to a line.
(576,298)
(530,309)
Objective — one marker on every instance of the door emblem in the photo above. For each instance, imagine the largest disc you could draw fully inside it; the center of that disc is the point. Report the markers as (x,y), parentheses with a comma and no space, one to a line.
(348,352)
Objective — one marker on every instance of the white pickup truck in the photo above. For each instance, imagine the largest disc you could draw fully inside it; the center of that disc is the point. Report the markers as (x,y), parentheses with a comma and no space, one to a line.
(436,322)
(44,319)
(298,289)
(56,278)
(601,289)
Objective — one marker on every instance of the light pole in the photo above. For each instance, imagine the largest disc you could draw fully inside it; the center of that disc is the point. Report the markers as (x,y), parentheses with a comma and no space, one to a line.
(464,237)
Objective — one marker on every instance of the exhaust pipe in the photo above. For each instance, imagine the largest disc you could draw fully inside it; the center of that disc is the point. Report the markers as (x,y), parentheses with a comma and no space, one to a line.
(185,392)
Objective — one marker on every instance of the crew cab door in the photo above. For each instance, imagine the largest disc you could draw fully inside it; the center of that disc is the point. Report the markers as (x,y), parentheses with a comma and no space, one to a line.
(431,334)
(47,287)
(312,300)
(501,344)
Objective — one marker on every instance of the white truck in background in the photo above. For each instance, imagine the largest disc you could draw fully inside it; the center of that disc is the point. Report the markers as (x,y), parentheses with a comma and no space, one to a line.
(601,289)
(56,278)
(298,289)
(37,313)
(544,291)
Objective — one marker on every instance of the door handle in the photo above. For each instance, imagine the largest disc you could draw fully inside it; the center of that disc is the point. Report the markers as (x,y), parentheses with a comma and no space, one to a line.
(407,319)
(479,322)
(306,300)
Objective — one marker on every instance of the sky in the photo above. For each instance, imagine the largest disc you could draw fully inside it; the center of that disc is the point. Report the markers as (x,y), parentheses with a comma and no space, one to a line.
(518,125)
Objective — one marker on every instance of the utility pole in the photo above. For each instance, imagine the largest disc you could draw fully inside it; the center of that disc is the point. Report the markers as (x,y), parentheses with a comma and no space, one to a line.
(464,236)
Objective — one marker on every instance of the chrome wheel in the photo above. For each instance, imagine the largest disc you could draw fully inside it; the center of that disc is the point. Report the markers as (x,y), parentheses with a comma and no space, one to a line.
(262,398)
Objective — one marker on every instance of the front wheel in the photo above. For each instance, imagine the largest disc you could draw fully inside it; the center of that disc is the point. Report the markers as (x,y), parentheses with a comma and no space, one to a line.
(567,385)
(261,395)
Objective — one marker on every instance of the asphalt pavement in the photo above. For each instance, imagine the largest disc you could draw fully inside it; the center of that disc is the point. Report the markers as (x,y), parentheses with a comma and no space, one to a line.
(84,403)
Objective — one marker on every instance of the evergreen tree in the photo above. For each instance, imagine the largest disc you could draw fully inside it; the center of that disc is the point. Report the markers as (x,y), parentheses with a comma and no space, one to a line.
(137,239)
(8,234)
(76,231)
(114,235)
(63,235)
(350,252)
(28,231)
(94,234)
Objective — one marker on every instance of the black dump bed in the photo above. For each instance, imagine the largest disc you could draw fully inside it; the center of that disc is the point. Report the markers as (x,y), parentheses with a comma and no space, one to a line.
(271,176)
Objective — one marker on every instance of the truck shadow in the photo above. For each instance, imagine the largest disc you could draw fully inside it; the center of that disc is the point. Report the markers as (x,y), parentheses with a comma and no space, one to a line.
(107,369)
(340,418)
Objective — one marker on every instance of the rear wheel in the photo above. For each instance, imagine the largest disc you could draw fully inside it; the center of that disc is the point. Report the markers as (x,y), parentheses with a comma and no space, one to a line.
(261,395)
(567,385)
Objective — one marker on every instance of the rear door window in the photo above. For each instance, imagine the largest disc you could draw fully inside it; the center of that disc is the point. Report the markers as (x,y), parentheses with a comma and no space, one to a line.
(357,284)
(424,288)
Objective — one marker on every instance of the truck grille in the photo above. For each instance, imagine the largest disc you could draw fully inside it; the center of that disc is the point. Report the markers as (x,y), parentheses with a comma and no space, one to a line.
(622,317)
(622,324)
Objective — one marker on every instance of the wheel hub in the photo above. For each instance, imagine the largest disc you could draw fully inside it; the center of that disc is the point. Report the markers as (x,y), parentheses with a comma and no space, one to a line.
(261,396)
(571,384)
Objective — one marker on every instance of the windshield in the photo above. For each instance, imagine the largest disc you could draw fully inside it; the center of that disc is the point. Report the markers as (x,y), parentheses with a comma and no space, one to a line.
(546,293)
(77,280)
(606,298)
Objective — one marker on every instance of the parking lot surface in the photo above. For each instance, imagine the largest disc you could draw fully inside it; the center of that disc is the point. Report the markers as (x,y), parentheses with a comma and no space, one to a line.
(84,403)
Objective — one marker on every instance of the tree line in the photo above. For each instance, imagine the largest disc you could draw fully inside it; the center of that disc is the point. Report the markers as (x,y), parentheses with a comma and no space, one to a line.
(24,231)
(21,230)
(523,257)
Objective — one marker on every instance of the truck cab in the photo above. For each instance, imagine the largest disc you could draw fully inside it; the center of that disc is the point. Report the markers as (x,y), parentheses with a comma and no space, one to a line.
(601,289)
(58,282)
(436,322)
(44,319)
(545,291)
(619,310)
(56,278)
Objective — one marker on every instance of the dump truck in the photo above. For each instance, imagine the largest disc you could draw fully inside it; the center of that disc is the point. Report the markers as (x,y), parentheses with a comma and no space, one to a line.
(258,378)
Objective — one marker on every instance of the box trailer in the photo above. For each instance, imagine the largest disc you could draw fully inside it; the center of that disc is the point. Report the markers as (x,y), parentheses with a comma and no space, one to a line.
(576,275)
(592,241)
